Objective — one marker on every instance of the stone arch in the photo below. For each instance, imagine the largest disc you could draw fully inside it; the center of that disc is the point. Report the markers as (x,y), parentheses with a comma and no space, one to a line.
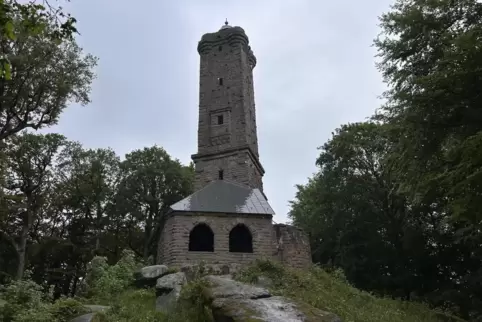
(240,239)
(201,238)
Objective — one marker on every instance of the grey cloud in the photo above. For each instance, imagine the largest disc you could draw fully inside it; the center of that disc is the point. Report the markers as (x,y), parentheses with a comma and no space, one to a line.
(315,71)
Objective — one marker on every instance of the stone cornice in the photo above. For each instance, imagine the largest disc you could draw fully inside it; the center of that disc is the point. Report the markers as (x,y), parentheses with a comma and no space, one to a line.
(231,36)
(215,155)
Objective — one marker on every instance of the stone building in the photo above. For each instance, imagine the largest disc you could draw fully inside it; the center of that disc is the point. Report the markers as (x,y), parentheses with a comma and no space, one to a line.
(228,219)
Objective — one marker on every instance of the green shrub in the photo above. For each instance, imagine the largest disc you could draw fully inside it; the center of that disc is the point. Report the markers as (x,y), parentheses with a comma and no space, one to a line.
(104,281)
(194,304)
(22,296)
(25,301)
(132,306)
(65,309)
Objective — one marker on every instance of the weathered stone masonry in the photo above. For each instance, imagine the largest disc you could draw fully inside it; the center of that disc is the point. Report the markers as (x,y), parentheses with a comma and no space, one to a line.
(176,238)
(228,219)
(227,117)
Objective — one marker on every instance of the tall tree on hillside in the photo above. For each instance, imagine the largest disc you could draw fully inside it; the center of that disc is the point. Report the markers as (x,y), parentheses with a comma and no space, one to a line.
(359,220)
(30,161)
(353,211)
(90,179)
(46,75)
(33,16)
(431,57)
(152,181)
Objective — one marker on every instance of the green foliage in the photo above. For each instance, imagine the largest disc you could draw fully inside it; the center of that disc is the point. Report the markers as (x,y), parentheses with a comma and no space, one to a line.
(27,301)
(64,309)
(132,305)
(151,181)
(105,282)
(23,297)
(431,57)
(139,305)
(43,75)
(362,220)
(194,303)
(322,290)
(34,18)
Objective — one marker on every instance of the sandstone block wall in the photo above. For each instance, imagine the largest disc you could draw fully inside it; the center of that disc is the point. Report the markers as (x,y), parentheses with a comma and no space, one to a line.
(293,246)
(174,244)
(227,115)
(237,166)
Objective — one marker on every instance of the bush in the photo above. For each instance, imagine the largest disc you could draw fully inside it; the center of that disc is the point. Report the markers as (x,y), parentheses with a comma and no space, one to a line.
(104,281)
(26,301)
(65,309)
(21,297)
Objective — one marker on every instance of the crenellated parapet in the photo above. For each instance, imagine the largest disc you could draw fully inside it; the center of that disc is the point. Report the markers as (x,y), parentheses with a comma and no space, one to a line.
(227,35)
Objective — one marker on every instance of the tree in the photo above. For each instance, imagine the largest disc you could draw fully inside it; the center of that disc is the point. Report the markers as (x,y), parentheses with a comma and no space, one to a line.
(33,16)
(151,182)
(90,179)
(30,160)
(431,58)
(361,221)
(47,75)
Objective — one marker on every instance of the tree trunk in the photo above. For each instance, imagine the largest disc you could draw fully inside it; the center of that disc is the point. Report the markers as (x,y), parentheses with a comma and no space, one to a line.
(147,235)
(22,247)
(98,228)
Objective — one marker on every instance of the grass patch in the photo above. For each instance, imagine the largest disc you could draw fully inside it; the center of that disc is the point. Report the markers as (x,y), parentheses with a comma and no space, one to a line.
(132,305)
(331,293)
(140,306)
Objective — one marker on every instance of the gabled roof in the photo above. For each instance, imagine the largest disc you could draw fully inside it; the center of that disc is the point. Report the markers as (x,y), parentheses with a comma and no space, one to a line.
(226,197)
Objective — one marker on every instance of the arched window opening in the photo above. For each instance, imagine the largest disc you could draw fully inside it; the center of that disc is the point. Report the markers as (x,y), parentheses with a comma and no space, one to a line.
(240,240)
(201,239)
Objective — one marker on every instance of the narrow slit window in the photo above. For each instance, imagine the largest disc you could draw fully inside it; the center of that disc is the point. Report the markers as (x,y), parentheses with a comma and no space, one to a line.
(220,119)
(220,48)
(220,81)
(221,174)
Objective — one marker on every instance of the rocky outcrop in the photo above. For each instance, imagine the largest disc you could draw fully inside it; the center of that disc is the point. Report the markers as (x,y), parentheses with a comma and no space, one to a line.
(231,300)
(147,276)
(235,301)
(168,290)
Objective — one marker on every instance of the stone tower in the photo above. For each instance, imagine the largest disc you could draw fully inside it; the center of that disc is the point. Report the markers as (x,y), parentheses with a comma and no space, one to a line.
(227,219)
(227,135)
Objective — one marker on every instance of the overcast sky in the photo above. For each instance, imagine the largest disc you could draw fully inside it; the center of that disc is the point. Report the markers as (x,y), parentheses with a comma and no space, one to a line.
(316,70)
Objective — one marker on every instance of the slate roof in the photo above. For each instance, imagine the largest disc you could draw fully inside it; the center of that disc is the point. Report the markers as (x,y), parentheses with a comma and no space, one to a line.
(227,197)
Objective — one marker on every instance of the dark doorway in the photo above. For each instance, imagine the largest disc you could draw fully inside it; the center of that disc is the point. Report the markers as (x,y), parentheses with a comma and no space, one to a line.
(240,240)
(201,239)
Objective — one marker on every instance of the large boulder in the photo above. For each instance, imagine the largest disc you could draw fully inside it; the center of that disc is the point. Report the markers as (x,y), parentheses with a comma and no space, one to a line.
(234,301)
(168,290)
(84,318)
(225,287)
(147,276)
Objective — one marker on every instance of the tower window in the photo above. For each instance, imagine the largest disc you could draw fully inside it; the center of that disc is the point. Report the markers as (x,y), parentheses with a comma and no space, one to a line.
(220,81)
(220,48)
(221,174)
(220,119)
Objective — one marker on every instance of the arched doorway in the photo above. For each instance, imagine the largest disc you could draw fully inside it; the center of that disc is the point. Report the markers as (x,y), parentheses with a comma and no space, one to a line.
(240,240)
(201,239)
